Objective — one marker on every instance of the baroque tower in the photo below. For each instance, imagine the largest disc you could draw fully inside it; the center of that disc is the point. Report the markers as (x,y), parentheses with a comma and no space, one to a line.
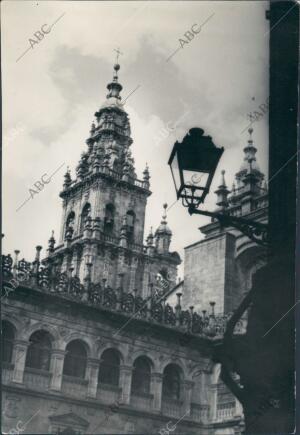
(102,227)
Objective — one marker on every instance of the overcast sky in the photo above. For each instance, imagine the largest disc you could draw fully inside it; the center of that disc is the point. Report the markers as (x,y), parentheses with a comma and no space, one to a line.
(51,94)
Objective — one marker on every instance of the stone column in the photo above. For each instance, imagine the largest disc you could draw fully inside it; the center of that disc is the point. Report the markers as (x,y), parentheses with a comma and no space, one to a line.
(156,390)
(56,368)
(98,203)
(92,376)
(19,359)
(187,396)
(62,222)
(238,409)
(146,279)
(133,270)
(125,383)
(75,261)
(213,401)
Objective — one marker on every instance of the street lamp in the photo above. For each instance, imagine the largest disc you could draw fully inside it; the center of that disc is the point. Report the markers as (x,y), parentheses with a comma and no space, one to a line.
(193,163)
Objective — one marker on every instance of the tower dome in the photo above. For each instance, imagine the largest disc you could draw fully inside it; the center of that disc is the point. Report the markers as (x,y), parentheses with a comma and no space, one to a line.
(163,228)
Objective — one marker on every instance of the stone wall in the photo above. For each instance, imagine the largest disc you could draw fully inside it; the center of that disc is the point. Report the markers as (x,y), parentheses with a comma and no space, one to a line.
(208,266)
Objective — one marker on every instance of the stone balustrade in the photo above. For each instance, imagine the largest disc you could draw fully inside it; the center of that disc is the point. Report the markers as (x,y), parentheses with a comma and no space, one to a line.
(173,408)
(36,379)
(154,309)
(108,393)
(140,401)
(74,387)
(199,413)
(226,411)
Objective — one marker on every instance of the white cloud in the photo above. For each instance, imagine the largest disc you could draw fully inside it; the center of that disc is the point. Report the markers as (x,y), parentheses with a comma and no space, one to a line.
(54,90)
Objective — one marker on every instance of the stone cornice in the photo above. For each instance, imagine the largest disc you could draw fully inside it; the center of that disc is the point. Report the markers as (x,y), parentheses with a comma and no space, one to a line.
(93,178)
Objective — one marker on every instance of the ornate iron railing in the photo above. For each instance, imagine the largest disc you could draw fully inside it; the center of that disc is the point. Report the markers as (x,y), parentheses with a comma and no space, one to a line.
(154,309)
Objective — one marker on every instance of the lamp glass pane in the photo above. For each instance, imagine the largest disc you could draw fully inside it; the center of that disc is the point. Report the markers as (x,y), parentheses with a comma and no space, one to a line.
(195,179)
(175,172)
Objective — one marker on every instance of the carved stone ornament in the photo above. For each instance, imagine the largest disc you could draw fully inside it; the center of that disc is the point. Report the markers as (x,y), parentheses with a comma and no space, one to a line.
(12,406)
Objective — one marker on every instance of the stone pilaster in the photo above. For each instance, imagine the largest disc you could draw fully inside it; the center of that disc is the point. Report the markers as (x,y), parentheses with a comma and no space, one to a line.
(213,401)
(125,383)
(156,390)
(92,376)
(187,397)
(120,262)
(63,221)
(19,359)
(56,368)
(146,279)
(98,205)
(133,273)
(76,261)
(238,409)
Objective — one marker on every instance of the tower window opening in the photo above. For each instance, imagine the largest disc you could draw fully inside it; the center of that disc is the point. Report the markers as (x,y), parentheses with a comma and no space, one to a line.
(86,212)
(109,219)
(130,220)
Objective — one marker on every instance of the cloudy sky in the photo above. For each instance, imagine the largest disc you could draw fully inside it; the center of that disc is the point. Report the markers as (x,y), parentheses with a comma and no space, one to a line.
(51,93)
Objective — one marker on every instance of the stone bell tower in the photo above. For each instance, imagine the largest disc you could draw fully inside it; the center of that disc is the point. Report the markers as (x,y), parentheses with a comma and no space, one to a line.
(102,227)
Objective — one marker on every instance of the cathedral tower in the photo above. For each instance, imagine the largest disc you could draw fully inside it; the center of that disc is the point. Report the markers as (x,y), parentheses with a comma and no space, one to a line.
(102,228)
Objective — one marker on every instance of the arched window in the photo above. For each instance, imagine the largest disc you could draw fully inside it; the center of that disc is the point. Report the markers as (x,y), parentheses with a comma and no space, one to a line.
(39,351)
(172,382)
(86,211)
(8,336)
(109,218)
(141,376)
(75,359)
(109,370)
(130,219)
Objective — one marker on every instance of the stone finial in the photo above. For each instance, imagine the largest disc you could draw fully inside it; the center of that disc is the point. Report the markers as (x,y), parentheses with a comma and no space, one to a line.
(250,131)
(93,128)
(16,262)
(223,183)
(38,252)
(150,237)
(146,177)
(51,243)
(67,179)
(222,193)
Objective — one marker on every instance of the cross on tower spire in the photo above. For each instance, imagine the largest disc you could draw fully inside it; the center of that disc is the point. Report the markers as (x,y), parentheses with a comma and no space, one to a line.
(117,50)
